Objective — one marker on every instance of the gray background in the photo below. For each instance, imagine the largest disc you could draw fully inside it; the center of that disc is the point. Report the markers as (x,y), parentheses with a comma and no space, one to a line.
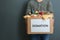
(12,26)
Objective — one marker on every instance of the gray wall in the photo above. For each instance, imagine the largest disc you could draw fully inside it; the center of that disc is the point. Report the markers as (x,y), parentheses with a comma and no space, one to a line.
(56,6)
(8,20)
(12,26)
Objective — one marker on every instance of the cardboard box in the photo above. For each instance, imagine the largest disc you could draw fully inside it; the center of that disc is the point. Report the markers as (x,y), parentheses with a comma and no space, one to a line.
(37,25)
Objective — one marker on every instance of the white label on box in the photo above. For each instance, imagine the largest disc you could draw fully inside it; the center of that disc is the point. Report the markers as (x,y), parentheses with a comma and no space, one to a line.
(40,25)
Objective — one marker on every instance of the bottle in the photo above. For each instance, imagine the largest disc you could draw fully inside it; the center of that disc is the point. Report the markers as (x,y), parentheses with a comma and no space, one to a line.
(32,11)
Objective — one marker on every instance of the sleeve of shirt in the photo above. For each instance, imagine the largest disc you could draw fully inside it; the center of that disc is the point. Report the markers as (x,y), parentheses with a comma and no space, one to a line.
(28,8)
(49,7)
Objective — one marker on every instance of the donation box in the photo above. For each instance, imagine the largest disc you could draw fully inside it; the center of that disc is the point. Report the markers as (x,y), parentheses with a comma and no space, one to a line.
(37,25)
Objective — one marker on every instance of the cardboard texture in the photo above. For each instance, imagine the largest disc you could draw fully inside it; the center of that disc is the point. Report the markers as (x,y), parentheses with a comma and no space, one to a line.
(46,16)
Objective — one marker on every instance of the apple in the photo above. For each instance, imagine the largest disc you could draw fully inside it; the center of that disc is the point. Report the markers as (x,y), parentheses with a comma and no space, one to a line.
(41,13)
